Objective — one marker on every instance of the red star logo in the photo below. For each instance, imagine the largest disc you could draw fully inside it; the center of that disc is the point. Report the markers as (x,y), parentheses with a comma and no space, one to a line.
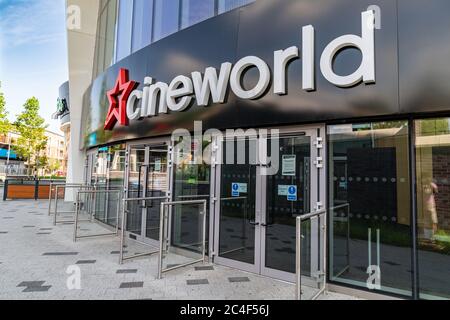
(118,97)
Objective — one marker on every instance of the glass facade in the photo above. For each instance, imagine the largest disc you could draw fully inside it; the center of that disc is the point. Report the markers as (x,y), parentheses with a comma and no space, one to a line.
(227,5)
(195,11)
(142,24)
(372,220)
(166,18)
(108,173)
(104,53)
(432,145)
(369,199)
(124,29)
(126,26)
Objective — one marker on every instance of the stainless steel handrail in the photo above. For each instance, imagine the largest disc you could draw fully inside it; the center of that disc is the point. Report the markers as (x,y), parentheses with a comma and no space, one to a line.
(53,187)
(298,263)
(163,218)
(123,228)
(194,196)
(77,211)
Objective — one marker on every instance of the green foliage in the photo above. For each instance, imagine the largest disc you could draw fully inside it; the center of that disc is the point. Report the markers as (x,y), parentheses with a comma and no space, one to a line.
(32,141)
(5,126)
(53,165)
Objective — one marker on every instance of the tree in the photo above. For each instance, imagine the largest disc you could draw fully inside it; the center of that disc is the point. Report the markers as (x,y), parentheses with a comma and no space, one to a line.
(5,126)
(53,166)
(32,141)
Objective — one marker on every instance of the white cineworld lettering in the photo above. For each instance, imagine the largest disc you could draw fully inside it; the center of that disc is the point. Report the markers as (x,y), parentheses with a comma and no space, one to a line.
(177,96)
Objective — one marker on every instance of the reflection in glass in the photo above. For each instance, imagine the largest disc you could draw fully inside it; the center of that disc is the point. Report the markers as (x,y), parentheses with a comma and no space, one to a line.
(101,173)
(433,206)
(280,212)
(135,188)
(124,29)
(166,18)
(142,24)
(195,11)
(227,5)
(369,193)
(116,177)
(157,186)
(237,209)
(111,10)
(191,182)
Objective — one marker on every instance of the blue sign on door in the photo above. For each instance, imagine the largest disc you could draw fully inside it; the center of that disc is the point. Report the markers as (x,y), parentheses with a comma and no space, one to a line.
(235,189)
(292,193)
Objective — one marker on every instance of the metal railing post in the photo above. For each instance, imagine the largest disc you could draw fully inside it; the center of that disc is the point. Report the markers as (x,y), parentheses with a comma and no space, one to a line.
(322,216)
(122,231)
(298,260)
(118,212)
(161,238)
(50,199)
(5,190)
(204,232)
(77,208)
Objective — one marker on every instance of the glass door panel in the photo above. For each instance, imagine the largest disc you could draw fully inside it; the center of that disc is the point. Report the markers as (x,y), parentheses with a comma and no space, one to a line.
(237,205)
(256,208)
(136,180)
(282,208)
(157,186)
(191,182)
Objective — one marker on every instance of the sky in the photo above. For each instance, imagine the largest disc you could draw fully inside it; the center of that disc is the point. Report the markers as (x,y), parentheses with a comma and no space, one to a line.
(33,54)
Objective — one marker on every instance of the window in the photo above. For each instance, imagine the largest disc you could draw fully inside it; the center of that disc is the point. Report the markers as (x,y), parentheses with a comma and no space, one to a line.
(433,207)
(227,5)
(166,18)
(369,201)
(111,13)
(124,29)
(195,11)
(105,36)
(142,24)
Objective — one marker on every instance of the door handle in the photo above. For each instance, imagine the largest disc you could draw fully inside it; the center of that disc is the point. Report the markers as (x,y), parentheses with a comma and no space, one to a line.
(266,224)
(254,223)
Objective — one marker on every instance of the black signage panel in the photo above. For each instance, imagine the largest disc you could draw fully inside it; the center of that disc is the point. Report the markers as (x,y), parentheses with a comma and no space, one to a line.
(267,26)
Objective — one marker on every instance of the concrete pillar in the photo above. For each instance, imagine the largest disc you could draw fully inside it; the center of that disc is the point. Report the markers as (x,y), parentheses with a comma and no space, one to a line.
(81,48)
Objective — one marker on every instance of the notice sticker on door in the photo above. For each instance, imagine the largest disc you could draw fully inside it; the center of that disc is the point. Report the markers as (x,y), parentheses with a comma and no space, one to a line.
(235,189)
(158,165)
(238,188)
(288,165)
(283,190)
(292,193)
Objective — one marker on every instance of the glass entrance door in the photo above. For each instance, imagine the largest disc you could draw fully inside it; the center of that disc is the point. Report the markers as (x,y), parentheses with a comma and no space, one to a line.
(256,207)
(148,176)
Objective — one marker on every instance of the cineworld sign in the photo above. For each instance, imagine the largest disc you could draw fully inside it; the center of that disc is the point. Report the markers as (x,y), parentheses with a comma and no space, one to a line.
(127,103)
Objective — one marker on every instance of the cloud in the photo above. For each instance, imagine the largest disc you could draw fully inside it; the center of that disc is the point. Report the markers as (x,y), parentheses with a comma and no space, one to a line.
(30,22)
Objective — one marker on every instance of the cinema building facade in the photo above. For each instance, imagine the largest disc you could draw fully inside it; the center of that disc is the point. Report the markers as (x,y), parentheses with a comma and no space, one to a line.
(355,95)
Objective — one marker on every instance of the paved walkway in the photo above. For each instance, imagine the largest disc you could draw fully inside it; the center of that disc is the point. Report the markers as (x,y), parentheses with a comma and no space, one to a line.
(37,259)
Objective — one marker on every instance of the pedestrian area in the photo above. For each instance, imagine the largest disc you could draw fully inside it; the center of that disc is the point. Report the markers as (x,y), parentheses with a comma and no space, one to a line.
(41,261)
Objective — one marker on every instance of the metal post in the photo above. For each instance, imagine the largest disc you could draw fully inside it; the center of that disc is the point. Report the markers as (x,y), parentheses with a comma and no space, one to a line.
(298,289)
(325,252)
(5,190)
(36,189)
(204,232)
(50,199)
(118,213)
(77,208)
(161,238)
(122,232)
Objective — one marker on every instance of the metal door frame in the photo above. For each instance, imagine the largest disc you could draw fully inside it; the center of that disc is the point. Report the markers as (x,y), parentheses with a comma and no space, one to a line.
(317,201)
(147,144)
